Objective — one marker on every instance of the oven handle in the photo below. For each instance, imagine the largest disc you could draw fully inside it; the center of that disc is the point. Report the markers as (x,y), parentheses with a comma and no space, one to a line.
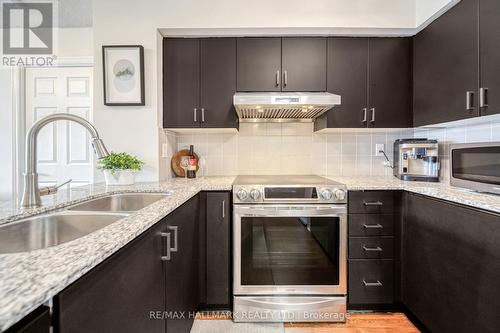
(290,210)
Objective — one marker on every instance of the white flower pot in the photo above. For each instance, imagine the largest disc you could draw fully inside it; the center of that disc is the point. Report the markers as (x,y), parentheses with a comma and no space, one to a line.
(122,177)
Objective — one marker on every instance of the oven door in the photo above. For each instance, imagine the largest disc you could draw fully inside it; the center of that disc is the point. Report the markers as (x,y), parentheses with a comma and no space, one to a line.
(289,249)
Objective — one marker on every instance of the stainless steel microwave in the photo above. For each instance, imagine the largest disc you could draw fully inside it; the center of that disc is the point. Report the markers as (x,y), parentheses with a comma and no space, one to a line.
(476,166)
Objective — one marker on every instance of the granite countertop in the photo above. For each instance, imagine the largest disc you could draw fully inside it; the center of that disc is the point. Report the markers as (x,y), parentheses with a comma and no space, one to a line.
(27,280)
(441,190)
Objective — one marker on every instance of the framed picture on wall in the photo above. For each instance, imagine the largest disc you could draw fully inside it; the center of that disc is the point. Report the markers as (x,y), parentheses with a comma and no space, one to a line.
(123,67)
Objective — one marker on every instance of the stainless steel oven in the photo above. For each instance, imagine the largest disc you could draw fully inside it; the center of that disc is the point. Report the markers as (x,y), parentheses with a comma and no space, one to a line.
(290,250)
(476,166)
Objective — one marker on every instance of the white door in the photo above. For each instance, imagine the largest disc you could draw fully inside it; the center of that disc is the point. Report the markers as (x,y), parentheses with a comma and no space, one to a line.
(64,150)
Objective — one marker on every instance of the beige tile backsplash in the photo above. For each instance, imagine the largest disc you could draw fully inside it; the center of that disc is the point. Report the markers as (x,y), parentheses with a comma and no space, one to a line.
(293,148)
(288,148)
(466,132)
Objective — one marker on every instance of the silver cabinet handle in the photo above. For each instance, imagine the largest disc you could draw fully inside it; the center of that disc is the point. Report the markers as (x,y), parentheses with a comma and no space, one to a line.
(175,229)
(194,113)
(372,284)
(285,78)
(202,115)
(373,226)
(372,249)
(469,100)
(223,209)
(167,256)
(365,115)
(375,203)
(483,97)
(372,110)
(277,78)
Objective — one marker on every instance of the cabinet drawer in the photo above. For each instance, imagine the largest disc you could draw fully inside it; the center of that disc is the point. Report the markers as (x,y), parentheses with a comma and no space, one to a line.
(371,281)
(371,225)
(371,248)
(371,202)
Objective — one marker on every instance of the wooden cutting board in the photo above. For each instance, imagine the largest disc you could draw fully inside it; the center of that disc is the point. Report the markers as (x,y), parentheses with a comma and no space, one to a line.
(175,162)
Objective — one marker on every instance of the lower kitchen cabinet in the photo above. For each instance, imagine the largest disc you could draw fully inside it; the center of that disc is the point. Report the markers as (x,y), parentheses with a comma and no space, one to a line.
(150,285)
(374,249)
(38,321)
(218,273)
(371,281)
(119,294)
(451,266)
(181,277)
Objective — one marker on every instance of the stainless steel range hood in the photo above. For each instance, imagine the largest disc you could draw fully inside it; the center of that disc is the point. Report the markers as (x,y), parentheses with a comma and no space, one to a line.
(281,106)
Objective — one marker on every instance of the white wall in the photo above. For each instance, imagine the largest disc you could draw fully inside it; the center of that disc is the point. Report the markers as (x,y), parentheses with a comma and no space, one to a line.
(135,129)
(6,134)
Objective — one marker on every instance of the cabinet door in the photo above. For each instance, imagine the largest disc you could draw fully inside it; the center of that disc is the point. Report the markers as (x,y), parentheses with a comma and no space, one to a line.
(218,82)
(347,76)
(303,64)
(182,268)
(181,82)
(446,66)
(258,64)
(218,255)
(390,85)
(451,265)
(38,321)
(490,53)
(120,294)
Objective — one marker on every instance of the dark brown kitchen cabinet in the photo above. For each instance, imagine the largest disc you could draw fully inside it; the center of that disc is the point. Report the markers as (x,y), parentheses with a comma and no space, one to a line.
(389,82)
(489,35)
(347,73)
(374,249)
(259,64)
(373,78)
(181,82)
(199,81)
(218,217)
(451,265)
(281,64)
(303,64)
(150,285)
(181,277)
(218,83)
(446,66)
(119,294)
(38,321)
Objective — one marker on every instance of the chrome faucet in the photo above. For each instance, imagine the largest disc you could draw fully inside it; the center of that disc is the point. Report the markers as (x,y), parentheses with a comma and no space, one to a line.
(31,193)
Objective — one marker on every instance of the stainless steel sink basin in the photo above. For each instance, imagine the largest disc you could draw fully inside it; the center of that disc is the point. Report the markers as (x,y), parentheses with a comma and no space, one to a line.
(126,202)
(49,230)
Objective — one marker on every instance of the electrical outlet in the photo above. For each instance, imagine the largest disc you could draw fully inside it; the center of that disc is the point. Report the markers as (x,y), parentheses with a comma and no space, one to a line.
(378,148)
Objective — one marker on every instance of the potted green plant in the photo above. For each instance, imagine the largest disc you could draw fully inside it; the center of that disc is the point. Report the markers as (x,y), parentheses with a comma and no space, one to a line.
(120,168)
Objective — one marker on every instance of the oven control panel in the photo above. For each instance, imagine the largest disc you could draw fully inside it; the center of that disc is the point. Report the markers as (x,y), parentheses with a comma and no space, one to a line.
(288,194)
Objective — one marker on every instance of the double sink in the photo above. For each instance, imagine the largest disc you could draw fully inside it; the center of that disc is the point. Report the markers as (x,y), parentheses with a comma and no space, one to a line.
(74,222)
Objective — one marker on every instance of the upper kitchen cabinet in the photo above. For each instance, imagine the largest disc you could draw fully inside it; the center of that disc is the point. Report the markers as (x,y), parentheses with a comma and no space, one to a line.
(489,35)
(281,64)
(199,81)
(303,63)
(218,83)
(346,75)
(373,77)
(446,66)
(389,83)
(258,64)
(181,82)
